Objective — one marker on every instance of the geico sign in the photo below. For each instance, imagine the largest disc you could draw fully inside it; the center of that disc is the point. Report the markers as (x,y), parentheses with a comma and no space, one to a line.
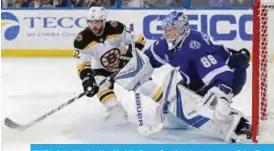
(219,26)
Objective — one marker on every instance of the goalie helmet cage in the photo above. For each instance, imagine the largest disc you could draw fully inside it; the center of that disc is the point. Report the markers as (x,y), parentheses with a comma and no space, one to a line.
(263,72)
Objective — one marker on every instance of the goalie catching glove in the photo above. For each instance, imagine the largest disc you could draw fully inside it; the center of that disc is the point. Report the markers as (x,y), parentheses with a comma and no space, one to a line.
(239,59)
(88,82)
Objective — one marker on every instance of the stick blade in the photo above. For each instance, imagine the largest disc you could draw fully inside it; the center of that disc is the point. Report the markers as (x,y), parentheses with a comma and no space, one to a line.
(11,124)
(147,130)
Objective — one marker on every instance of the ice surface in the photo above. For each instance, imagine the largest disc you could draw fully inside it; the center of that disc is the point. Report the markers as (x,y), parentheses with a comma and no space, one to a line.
(30,87)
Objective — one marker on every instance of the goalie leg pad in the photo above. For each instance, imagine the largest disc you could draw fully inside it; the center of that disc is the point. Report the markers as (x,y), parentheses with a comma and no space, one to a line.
(170,84)
(218,99)
(181,105)
(185,109)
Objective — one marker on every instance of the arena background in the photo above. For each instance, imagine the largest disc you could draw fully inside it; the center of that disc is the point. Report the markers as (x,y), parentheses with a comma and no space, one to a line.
(44,31)
(39,71)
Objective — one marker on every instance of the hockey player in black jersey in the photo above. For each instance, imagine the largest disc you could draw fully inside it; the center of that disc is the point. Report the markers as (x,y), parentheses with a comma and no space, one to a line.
(102,49)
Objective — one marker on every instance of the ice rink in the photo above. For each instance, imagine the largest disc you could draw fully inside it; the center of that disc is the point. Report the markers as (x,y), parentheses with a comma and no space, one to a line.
(30,87)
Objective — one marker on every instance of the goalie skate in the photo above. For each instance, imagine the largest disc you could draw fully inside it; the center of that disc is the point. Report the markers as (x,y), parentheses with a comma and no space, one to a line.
(241,133)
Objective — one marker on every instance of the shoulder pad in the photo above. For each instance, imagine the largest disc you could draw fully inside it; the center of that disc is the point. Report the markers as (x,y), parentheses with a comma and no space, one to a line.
(159,47)
(200,37)
(161,44)
(114,27)
(83,39)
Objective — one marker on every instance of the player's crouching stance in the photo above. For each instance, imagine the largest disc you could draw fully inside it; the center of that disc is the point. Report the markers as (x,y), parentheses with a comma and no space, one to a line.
(198,92)
(101,50)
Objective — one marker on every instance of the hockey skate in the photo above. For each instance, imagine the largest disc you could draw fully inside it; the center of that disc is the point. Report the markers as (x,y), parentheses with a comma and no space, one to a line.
(117,116)
(242,133)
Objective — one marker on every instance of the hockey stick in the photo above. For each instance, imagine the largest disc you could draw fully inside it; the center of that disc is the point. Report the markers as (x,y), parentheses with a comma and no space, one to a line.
(142,129)
(13,125)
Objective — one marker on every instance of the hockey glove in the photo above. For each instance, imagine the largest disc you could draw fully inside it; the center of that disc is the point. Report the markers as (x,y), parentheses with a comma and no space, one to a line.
(239,59)
(125,58)
(89,83)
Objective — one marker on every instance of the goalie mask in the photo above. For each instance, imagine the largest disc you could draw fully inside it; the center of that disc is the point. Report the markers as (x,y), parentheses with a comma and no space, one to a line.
(176,28)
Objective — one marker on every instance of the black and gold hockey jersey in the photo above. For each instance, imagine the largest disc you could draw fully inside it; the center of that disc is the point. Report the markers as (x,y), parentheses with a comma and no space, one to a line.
(103,52)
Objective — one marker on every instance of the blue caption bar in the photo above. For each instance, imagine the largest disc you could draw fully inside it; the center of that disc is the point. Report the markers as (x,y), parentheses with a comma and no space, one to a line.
(152,147)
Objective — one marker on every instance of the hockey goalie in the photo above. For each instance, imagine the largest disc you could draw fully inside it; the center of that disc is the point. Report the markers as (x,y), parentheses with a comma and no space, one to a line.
(199,91)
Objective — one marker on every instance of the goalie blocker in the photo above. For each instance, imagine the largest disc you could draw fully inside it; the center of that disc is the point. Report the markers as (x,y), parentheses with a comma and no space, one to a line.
(183,108)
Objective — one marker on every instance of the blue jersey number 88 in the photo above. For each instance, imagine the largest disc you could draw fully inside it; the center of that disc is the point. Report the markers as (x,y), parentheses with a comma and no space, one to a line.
(207,61)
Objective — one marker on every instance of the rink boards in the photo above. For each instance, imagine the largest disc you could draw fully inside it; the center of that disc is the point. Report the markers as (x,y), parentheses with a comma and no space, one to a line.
(51,32)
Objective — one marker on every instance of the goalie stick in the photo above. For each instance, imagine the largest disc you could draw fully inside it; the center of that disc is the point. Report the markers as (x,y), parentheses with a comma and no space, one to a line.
(142,129)
(136,93)
(13,125)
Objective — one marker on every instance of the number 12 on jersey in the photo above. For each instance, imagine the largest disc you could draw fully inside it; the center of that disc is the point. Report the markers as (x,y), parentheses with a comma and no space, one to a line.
(208,60)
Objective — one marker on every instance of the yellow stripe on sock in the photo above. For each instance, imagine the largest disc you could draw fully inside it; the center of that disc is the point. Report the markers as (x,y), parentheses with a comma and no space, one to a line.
(157,94)
(108,98)
(104,91)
